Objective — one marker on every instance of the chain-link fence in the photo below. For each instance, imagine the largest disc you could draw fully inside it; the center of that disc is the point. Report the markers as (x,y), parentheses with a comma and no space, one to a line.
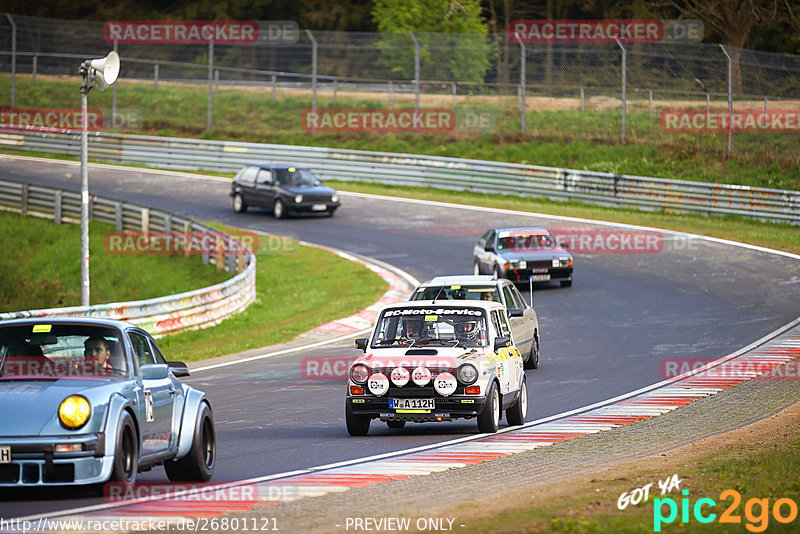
(422,69)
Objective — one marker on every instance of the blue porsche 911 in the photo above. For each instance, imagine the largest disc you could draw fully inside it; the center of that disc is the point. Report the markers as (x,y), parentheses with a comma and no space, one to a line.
(88,401)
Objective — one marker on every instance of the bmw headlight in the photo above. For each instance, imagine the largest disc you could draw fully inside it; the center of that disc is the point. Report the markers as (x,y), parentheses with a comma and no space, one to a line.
(334,198)
(74,411)
(467,374)
(359,373)
(298,199)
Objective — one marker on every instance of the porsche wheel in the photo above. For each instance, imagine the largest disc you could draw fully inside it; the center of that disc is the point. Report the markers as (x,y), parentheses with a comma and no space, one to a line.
(489,419)
(198,465)
(278,209)
(519,411)
(126,451)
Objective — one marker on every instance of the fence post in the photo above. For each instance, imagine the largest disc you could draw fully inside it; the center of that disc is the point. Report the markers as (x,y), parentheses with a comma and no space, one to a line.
(624,89)
(57,206)
(118,222)
(765,104)
(35,65)
(210,81)
(416,71)
(155,76)
(313,74)
(23,208)
(335,88)
(522,80)
(708,107)
(581,99)
(274,85)
(454,94)
(730,97)
(216,82)
(391,91)
(651,102)
(13,59)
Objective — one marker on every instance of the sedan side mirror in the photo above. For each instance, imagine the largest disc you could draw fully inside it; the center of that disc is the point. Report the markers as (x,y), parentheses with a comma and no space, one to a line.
(361,343)
(502,342)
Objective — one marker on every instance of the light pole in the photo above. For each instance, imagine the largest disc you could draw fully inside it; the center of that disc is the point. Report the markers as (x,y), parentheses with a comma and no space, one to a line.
(98,73)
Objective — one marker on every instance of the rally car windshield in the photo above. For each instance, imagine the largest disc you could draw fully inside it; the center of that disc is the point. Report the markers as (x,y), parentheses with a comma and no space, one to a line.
(431,326)
(51,352)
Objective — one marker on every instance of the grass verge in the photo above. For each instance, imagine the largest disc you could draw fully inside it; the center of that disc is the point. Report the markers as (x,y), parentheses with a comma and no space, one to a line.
(772,235)
(760,462)
(296,290)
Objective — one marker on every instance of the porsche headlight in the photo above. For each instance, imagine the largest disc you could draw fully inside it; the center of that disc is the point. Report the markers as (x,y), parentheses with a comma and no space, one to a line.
(359,373)
(467,374)
(74,411)
(298,199)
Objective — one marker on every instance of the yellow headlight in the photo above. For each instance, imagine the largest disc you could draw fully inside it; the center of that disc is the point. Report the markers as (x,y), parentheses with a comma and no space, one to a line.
(74,411)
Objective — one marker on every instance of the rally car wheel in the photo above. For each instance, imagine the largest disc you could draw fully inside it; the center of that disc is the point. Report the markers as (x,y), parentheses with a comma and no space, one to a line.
(198,465)
(533,359)
(278,209)
(516,414)
(126,452)
(357,425)
(489,419)
(395,424)
(238,204)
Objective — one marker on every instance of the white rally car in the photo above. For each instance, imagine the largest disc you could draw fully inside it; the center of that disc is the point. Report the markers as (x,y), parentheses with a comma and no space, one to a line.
(437,360)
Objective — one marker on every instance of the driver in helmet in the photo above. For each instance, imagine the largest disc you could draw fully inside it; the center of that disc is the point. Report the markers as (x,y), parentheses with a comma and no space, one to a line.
(466,330)
(413,328)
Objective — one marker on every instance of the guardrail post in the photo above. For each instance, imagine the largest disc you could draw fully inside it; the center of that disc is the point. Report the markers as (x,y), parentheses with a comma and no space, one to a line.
(118,222)
(624,89)
(416,71)
(145,226)
(155,76)
(35,66)
(167,222)
(13,59)
(23,209)
(274,86)
(210,82)
(57,198)
(730,97)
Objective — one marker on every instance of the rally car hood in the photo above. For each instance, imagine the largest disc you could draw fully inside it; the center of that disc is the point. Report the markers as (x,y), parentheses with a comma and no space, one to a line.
(425,356)
(30,407)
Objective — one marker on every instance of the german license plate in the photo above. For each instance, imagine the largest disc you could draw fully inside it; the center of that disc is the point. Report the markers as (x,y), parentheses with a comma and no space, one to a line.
(540,277)
(5,454)
(318,207)
(412,404)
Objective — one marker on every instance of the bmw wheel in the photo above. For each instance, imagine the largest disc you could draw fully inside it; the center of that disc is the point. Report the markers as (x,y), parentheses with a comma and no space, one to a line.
(516,414)
(126,451)
(198,465)
(489,419)
(278,209)
(239,205)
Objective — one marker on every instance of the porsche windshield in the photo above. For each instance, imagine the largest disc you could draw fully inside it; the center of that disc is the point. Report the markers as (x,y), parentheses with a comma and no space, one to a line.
(53,351)
(451,326)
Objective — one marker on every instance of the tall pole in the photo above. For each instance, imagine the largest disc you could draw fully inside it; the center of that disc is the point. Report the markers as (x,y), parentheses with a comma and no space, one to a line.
(730,97)
(210,82)
(416,71)
(114,93)
(84,189)
(313,72)
(523,78)
(13,59)
(624,89)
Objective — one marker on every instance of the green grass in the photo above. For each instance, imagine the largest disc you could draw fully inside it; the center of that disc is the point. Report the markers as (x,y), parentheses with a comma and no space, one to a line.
(771,235)
(588,140)
(43,269)
(296,290)
(768,471)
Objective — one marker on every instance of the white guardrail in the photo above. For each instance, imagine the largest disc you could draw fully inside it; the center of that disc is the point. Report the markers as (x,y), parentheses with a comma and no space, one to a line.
(605,189)
(164,315)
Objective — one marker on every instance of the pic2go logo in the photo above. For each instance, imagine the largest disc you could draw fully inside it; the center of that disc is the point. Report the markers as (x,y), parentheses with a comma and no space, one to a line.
(756,511)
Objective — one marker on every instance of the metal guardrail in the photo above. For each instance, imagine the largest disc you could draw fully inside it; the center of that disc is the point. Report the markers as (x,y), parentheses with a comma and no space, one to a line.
(617,190)
(200,308)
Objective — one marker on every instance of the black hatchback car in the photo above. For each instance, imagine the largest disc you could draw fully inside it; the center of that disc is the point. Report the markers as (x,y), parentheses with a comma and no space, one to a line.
(283,189)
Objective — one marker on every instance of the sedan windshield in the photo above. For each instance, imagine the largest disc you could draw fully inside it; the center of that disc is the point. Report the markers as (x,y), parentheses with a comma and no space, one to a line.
(522,243)
(431,326)
(53,351)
